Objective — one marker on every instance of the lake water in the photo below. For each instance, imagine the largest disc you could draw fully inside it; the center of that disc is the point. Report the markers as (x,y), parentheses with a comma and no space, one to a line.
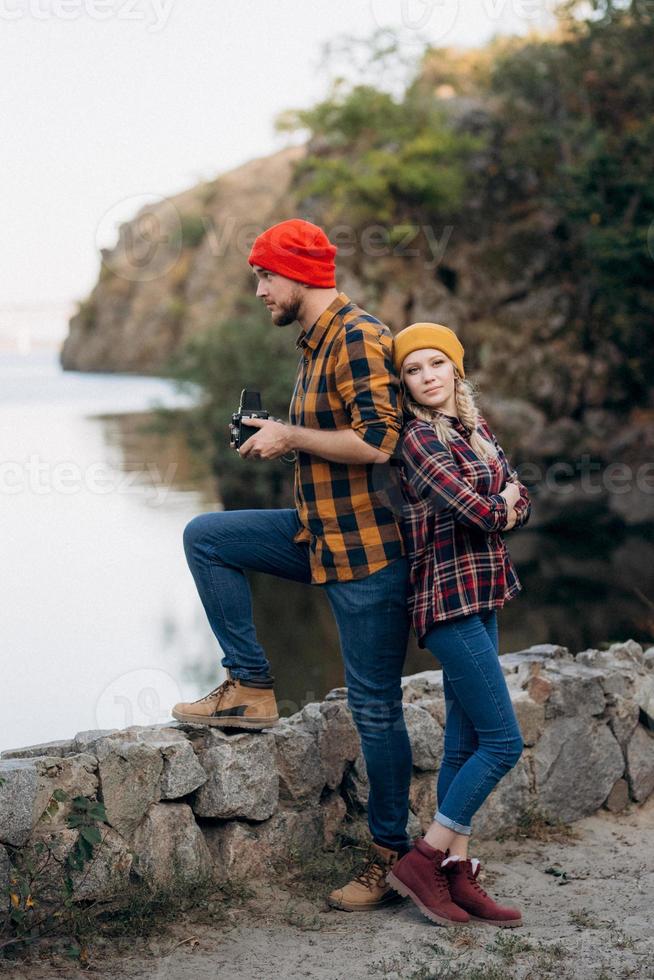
(101,625)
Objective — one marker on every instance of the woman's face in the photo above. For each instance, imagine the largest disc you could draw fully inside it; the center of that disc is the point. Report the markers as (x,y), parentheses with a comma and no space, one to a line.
(429,378)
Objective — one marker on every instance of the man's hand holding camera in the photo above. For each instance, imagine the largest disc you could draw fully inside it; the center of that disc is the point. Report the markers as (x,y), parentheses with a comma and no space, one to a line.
(271,442)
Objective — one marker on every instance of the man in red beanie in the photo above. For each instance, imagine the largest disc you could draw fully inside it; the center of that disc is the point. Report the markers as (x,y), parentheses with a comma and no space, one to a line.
(342,535)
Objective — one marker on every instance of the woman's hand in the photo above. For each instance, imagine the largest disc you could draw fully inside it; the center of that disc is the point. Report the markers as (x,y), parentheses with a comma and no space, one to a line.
(511,521)
(511,494)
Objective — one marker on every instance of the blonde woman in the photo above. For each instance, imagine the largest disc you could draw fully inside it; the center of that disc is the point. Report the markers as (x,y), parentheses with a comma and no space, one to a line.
(460,494)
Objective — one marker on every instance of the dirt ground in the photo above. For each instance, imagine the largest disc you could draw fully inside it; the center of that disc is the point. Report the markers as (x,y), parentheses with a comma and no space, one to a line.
(587,902)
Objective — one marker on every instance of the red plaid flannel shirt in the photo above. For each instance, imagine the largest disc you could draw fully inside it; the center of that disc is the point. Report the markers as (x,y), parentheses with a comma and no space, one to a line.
(452,517)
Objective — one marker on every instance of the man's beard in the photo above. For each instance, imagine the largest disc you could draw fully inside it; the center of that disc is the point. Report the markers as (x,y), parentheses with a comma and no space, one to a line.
(288,313)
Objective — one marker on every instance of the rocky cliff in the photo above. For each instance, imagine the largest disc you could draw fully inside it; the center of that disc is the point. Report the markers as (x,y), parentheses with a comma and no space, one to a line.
(178,268)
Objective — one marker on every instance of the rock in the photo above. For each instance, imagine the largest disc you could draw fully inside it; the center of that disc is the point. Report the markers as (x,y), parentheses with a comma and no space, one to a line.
(301,773)
(540,689)
(623,718)
(75,775)
(618,798)
(530,715)
(648,658)
(333,811)
(617,673)
(336,694)
(576,762)
(576,689)
(435,707)
(539,653)
(182,773)
(246,852)
(500,810)
(422,798)
(58,748)
(109,872)
(629,651)
(87,741)
(644,697)
(640,764)
(130,774)
(338,740)
(426,684)
(26,788)
(413,826)
(104,876)
(356,786)
(170,847)
(5,871)
(242,777)
(426,737)
(511,663)
(21,800)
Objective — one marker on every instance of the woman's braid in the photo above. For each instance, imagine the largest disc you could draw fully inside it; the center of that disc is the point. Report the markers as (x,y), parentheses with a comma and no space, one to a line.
(467,412)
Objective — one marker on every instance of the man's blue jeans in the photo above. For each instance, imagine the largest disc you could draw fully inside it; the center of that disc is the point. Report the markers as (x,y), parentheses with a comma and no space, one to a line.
(373,625)
(482,736)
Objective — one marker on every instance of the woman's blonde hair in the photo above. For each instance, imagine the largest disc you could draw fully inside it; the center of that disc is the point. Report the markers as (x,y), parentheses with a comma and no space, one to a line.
(466,409)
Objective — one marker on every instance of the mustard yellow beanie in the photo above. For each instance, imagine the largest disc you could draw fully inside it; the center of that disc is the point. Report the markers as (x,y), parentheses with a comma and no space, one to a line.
(423,336)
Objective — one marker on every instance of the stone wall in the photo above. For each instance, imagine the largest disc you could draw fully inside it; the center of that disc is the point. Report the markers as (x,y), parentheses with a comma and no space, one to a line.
(185,802)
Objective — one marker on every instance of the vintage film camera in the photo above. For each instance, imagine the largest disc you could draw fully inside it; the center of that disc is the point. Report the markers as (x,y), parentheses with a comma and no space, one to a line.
(249,408)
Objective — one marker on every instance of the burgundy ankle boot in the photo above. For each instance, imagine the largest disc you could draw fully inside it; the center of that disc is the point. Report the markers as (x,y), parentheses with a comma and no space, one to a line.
(468,893)
(418,876)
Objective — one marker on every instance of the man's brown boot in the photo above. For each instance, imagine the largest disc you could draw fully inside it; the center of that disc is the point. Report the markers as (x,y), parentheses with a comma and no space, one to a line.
(369,889)
(233,704)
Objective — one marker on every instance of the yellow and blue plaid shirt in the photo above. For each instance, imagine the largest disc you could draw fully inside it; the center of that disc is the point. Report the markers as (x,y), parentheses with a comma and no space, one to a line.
(346,379)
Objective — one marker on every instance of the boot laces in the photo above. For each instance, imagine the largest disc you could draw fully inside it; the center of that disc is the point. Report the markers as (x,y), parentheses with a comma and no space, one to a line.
(372,873)
(472,878)
(221,691)
(440,878)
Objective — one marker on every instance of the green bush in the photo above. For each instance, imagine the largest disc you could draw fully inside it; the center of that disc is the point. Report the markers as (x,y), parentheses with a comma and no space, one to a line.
(193,229)
(376,157)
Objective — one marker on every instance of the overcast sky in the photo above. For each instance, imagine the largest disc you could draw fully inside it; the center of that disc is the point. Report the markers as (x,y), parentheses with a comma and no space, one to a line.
(107,100)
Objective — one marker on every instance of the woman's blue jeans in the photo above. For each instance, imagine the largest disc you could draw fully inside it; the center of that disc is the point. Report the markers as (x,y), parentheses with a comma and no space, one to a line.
(373,626)
(482,736)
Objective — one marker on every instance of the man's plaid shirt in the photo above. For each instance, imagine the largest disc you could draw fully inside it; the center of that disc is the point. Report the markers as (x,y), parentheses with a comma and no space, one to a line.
(453,514)
(345,380)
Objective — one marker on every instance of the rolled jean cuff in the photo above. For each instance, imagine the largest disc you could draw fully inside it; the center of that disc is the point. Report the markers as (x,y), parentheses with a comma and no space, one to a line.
(241,674)
(459,828)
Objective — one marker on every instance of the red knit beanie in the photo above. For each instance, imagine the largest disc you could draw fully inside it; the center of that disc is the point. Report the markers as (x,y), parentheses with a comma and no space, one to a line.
(298,250)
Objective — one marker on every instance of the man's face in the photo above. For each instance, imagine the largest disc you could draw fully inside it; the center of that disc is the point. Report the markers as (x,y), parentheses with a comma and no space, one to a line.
(282,296)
